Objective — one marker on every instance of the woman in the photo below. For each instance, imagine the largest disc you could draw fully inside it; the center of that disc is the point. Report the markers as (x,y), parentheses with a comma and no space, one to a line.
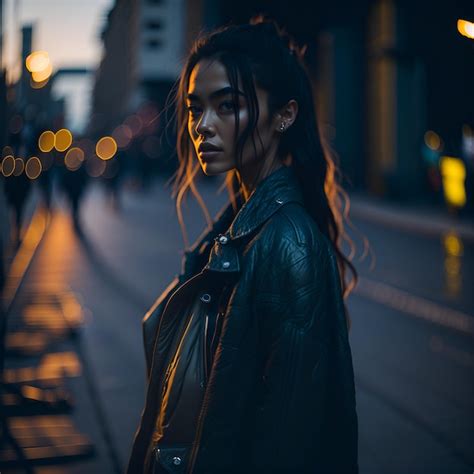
(248,359)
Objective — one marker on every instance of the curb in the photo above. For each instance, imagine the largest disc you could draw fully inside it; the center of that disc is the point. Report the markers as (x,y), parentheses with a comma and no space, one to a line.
(24,255)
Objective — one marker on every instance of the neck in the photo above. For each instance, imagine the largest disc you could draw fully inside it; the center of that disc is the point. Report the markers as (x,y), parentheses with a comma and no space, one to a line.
(249,176)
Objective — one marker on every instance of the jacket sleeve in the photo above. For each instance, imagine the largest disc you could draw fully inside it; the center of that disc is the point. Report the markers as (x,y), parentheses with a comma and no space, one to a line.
(305,419)
(193,260)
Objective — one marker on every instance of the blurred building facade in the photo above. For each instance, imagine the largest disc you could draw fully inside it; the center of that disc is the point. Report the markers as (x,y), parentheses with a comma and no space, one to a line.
(143,46)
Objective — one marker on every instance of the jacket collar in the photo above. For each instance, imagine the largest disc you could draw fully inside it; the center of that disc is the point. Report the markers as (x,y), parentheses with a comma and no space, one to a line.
(274,191)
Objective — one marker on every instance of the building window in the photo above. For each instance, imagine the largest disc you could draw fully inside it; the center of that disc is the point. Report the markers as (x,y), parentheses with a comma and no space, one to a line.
(153,43)
(154,25)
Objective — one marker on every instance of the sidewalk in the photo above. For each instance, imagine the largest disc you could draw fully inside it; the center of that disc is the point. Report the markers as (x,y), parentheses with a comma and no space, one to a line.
(45,354)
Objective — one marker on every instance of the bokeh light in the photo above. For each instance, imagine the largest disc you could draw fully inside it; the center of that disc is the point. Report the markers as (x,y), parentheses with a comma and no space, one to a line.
(19,167)
(135,123)
(111,169)
(74,158)
(122,136)
(37,61)
(7,150)
(46,141)
(453,172)
(33,167)
(8,165)
(43,75)
(106,148)
(466,28)
(95,166)
(432,140)
(63,139)
(87,146)
(453,244)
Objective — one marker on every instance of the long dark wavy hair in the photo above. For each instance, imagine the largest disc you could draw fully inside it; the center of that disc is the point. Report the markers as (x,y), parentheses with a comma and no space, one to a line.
(262,54)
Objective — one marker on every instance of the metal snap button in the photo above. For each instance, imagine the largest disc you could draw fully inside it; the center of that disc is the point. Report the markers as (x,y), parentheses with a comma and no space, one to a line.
(206,298)
(225,264)
(176,460)
(279,201)
(223,239)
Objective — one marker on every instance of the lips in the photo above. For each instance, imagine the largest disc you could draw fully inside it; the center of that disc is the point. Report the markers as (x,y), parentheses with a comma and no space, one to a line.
(207,147)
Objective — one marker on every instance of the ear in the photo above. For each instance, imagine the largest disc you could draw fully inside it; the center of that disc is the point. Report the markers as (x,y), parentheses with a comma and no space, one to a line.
(286,116)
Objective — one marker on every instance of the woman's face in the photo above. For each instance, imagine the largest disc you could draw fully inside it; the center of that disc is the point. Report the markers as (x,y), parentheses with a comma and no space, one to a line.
(211,121)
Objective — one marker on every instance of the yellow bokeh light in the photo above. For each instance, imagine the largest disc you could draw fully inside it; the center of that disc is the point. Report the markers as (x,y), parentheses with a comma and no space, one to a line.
(19,167)
(432,140)
(8,166)
(466,28)
(453,244)
(74,158)
(37,61)
(46,141)
(106,148)
(33,167)
(452,265)
(453,172)
(63,139)
(42,75)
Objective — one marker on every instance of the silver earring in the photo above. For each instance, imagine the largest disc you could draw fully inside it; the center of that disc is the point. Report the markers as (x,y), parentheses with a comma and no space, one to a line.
(282,127)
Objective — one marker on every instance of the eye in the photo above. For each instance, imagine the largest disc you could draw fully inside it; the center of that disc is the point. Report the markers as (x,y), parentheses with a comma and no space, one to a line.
(228,106)
(192,110)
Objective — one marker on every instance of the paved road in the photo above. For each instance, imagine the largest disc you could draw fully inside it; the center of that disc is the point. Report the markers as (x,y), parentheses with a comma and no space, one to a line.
(412,336)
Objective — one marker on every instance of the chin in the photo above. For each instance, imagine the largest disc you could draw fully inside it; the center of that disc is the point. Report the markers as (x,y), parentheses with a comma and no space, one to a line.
(213,169)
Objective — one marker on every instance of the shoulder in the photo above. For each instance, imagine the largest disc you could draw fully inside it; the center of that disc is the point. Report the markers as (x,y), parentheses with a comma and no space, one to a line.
(292,228)
(290,253)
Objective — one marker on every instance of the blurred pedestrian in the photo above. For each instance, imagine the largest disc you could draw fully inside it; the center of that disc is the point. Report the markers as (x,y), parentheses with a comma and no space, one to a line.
(73,184)
(249,366)
(17,185)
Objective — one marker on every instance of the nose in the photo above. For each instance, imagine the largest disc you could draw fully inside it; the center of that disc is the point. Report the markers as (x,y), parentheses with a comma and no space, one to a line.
(205,126)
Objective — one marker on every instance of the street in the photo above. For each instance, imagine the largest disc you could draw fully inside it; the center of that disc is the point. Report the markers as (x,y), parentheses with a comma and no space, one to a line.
(411,337)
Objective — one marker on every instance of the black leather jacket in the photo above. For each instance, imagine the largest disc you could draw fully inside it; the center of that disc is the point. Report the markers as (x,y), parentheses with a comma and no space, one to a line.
(280,395)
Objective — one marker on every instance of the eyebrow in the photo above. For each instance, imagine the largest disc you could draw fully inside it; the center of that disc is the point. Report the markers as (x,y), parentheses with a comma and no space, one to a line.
(218,93)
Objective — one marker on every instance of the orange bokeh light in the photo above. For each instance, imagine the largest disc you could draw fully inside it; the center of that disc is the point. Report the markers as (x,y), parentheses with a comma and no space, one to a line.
(106,148)
(37,61)
(63,139)
(46,141)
